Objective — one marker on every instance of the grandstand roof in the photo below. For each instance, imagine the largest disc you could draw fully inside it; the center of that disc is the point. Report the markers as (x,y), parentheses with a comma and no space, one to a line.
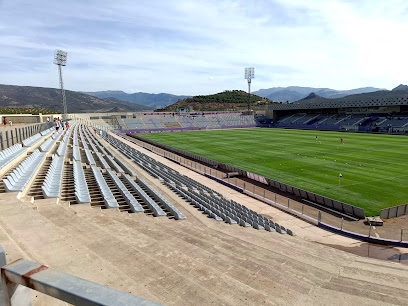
(378,98)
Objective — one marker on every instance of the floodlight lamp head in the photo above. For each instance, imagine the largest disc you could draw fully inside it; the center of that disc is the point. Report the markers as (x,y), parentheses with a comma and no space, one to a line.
(249,73)
(60,57)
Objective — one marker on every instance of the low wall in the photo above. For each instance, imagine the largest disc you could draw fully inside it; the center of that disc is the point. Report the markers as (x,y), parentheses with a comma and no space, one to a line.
(393,212)
(310,196)
(12,136)
(309,127)
(361,237)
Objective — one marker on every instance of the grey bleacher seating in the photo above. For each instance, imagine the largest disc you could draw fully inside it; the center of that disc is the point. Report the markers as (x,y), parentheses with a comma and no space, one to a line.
(47,131)
(396,121)
(202,197)
(173,210)
(89,157)
(62,149)
(113,164)
(135,206)
(350,120)
(48,144)
(232,119)
(29,142)
(216,120)
(76,154)
(108,197)
(75,136)
(125,167)
(81,187)
(202,121)
(105,165)
(133,124)
(52,184)
(19,178)
(247,119)
(9,154)
(186,122)
(153,123)
(156,209)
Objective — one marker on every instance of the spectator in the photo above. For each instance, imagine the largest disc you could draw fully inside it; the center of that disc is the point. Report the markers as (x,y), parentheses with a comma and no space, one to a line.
(5,121)
(56,124)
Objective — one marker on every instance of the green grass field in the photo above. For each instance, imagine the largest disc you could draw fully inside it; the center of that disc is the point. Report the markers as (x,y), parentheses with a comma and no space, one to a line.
(374,168)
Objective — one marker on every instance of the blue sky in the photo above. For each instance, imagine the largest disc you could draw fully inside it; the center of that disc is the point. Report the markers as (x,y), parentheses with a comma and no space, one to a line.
(202,47)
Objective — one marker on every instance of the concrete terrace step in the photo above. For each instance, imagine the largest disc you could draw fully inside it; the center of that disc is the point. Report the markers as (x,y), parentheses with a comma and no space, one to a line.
(45,242)
(200,245)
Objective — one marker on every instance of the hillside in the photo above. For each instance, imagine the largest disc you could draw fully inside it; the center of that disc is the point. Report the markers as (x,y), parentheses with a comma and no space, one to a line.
(152,100)
(229,99)
(295,93)
(50,98)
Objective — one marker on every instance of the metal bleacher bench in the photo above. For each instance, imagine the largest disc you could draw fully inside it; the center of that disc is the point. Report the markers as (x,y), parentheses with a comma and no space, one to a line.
(19,178)
(52,184)
(9,154)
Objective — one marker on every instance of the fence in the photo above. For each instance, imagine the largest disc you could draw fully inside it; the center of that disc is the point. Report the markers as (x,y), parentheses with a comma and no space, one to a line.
(314,198)
(16,135)
(18,277)
(394,211)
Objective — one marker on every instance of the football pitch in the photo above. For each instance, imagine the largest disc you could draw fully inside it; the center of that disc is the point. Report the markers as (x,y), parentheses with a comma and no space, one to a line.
(374,168)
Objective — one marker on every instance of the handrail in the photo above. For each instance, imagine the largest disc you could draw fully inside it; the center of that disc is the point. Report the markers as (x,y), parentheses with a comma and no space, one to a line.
(22,274)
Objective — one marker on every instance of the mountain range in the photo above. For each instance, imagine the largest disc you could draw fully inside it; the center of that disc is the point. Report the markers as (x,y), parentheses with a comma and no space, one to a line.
(153,100)
(50,98)
(295,93)
(400,92)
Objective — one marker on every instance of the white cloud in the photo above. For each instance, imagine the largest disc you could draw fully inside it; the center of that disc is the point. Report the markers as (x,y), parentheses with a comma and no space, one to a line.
(198,47)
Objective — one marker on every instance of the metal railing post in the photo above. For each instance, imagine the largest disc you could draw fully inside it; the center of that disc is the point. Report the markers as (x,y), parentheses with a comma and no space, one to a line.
(303,209)
(369,231)
(319,217)
(3,262)
(1,141)
(12,137)
(7,139)
(402,232)
(342,222)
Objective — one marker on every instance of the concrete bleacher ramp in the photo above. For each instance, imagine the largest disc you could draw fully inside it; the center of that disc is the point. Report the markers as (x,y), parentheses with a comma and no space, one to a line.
(196,261)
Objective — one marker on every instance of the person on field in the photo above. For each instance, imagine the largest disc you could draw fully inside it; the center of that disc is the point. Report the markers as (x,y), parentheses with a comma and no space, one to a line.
(342,140)
(5,121)
(63,124)
(316,138)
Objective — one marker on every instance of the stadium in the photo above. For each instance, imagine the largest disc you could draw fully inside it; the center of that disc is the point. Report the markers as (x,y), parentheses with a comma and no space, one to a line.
(209,207)
(136,167)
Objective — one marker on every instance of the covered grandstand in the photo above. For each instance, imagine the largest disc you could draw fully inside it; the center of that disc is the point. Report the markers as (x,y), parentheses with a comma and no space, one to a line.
(381,111)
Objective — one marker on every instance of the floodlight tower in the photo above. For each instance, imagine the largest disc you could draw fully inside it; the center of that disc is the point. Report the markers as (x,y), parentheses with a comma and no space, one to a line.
(60,59)
(249,75)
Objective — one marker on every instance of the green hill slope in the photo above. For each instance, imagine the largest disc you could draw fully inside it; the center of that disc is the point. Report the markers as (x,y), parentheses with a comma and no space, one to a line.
(229,99)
